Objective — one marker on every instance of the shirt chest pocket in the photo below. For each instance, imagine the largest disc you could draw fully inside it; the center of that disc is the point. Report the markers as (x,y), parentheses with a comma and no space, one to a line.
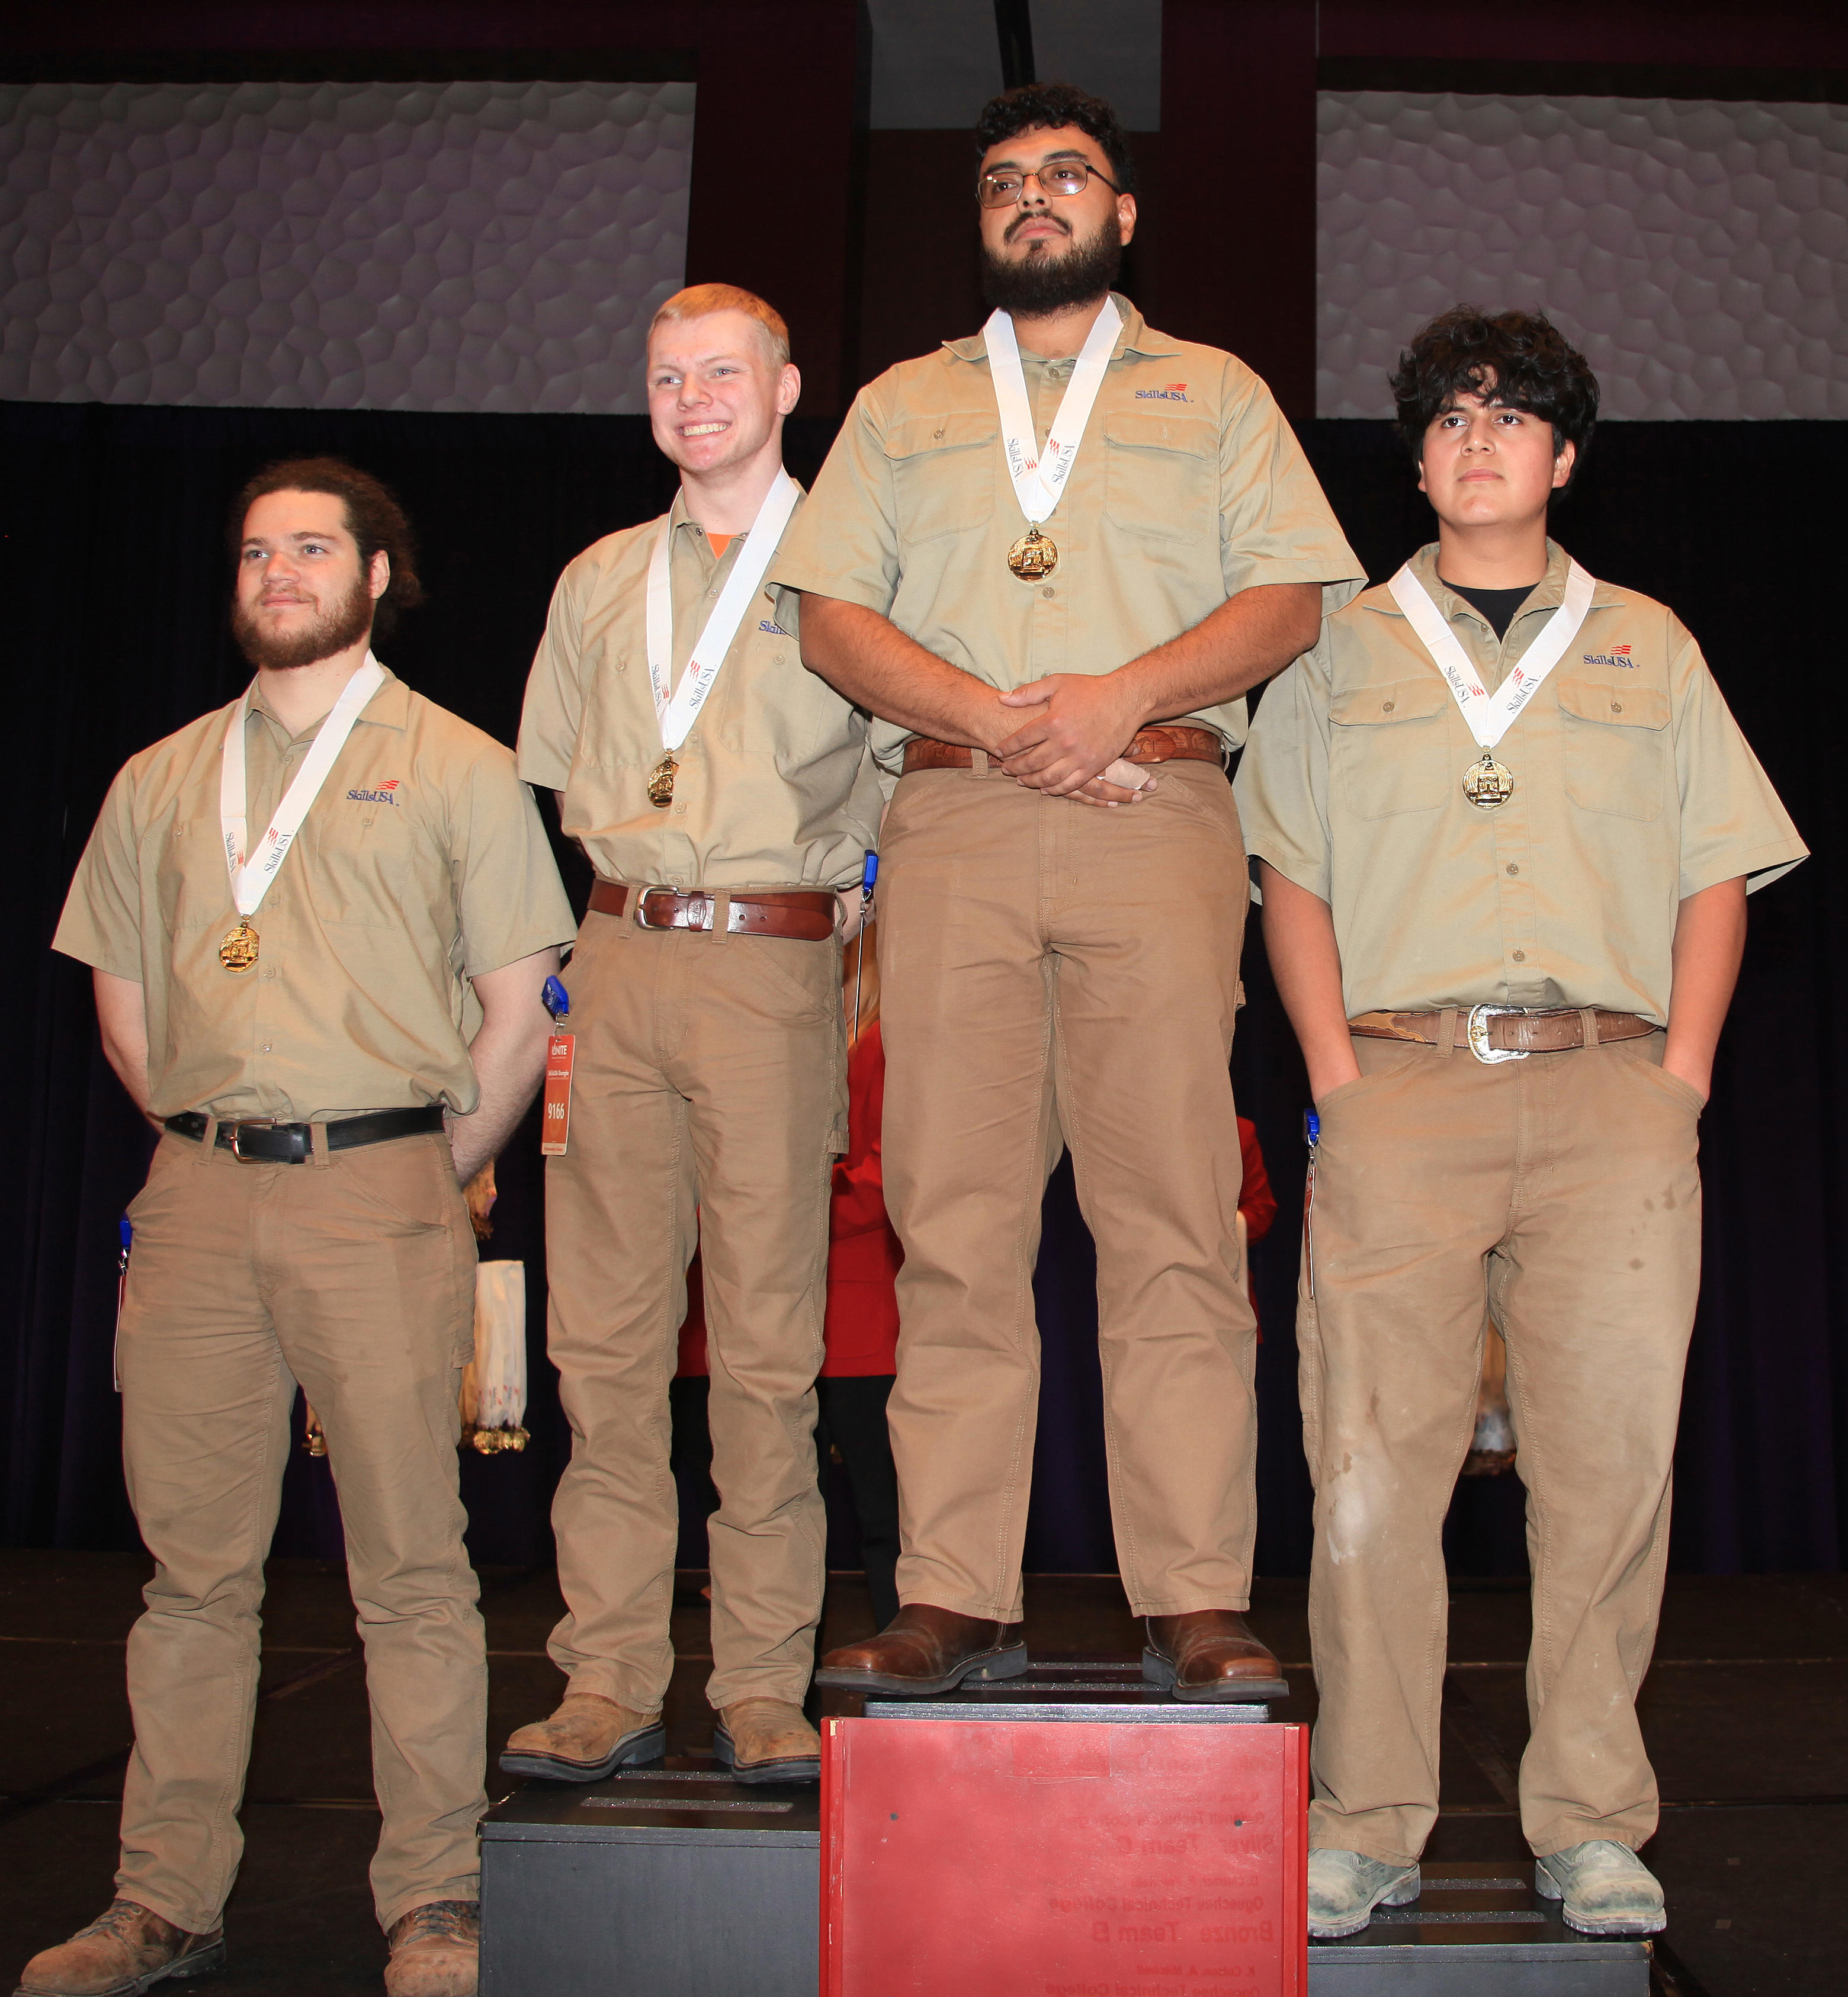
(363,870)
(1391,747)
(1614,746)
(1161,476)
(943,469)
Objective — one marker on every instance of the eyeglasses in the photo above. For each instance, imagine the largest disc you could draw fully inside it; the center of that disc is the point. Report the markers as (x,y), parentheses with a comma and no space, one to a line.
(1063,177)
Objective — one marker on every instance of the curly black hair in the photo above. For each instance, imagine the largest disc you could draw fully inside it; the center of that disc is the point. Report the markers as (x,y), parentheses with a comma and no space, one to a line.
(1043,107)
(375,519)
(1520,359)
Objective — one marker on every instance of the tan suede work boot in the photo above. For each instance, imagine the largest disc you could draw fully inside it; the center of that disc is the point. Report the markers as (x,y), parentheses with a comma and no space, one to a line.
(124,1952)
(588,1737)
(767,1740)
(436,1951)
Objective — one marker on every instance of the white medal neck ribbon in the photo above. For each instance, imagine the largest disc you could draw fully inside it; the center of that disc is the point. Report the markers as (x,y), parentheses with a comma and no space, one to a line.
(1039,478)
(1490,716)
(252,874)
(678,707)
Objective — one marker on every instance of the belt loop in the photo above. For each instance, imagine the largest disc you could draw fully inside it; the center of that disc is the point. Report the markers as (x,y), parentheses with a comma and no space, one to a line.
(318,1152)
(721,912)
(1588,1021)
(978,762)
(209,1141)
(1446,1032)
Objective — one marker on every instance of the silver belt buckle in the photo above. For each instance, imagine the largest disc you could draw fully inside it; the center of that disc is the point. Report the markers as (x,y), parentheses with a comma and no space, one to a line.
(1478,1030)
(641,906)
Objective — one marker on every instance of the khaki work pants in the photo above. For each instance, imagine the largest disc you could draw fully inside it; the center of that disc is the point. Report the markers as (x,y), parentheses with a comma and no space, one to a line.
(1564,1190)
(1051,968)
(355,1275)
(711,1074)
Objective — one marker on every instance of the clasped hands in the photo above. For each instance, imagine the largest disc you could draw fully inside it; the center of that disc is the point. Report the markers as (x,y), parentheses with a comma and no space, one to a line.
(1073,727)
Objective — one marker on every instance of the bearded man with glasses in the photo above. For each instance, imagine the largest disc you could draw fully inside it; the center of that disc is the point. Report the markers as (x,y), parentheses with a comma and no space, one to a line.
(1051,559)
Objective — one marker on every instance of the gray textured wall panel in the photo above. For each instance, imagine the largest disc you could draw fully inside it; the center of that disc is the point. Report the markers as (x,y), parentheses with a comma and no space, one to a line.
(1694,250)
(446,246)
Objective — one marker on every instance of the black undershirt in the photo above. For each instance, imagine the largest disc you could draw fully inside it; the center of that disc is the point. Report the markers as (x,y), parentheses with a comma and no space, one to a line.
(1499,606)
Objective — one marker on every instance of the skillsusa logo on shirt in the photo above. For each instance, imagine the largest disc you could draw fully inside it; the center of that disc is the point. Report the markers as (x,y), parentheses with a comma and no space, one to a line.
(382,795)
(1619,655)
(1175,392)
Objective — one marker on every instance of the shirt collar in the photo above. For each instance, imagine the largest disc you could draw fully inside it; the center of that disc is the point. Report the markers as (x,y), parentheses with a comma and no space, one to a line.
(1548,594)
(678,517)
(1137,337)
(388,707)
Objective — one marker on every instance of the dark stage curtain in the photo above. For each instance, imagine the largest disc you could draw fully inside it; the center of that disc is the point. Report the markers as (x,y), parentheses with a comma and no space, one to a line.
(112,523)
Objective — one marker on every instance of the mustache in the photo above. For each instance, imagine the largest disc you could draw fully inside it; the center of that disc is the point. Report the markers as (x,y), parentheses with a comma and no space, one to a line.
(1021,221)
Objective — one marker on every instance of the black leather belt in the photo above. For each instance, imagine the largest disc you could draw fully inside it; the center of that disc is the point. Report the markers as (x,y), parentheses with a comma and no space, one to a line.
(290,1143)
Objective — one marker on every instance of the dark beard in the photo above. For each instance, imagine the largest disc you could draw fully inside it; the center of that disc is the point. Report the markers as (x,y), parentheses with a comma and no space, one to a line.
(1048,283)
(342,623)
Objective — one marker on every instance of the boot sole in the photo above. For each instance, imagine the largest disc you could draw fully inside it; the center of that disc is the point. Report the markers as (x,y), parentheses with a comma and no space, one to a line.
(793,1768)
(988,1668)
(207,1962)
(649,1745)
(1157,1671)
(1400,1895)
(1550,1889)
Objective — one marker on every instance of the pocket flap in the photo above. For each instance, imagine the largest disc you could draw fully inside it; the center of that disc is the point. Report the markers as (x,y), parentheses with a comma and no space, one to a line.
(913,436)
(1618,706)
(1147,432)
(1382,701)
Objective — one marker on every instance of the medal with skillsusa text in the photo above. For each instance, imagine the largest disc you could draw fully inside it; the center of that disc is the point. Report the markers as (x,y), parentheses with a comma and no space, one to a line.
(251,876)
(1489,785)
(1040,480)
(677,711)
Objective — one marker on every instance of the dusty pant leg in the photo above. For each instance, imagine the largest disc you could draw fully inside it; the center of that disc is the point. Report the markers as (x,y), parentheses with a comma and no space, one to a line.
(1413,1180)
(763,1066)
(368,1266)
(965,1018)
(619,1234)
(205,1399)
(853,1417)
(1147,930)
(1602,1273)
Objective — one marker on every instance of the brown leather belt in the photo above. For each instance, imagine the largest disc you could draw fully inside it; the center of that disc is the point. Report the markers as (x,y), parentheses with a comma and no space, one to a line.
(1151,745)
(1502,1030)
(806,914)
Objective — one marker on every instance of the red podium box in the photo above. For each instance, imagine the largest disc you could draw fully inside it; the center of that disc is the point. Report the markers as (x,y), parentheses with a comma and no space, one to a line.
(1019,1858)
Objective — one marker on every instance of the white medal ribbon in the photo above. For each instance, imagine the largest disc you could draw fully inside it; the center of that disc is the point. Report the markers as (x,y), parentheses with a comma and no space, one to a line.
(1489,716)
(251,874)
(1039,478)
(678,707)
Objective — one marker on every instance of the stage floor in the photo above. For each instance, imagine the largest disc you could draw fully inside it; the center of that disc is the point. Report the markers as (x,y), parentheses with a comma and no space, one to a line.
(1746,1714)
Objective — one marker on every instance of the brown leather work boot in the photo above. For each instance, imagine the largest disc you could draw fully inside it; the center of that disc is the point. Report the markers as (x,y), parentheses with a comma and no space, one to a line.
(588,1737)
(923,1650)
(767,1740)
(1209,1655)
(126,1950)
(436,1951)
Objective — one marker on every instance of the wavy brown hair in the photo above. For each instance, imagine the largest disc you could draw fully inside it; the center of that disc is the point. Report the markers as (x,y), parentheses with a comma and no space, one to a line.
(374,517)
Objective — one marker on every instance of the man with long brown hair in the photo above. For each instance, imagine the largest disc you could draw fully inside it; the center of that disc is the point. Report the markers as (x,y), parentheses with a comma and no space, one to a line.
(335,1021)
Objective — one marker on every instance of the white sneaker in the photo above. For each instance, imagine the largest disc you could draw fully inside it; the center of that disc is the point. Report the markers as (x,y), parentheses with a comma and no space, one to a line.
(1345,1887)
(1606,1887)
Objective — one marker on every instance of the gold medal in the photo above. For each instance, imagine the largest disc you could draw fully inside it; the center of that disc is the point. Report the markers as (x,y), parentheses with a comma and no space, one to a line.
(238,951)
(1488,785)
(1033,557)
(660,783)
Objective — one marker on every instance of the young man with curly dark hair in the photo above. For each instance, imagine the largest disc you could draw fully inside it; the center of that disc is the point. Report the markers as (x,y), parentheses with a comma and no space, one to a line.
(1505,827)
(1051,559)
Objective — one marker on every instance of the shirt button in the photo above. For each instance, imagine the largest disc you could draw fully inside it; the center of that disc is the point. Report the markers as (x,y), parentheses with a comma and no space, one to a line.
(1616,707)
(266,1046)
(1512,868)
(1048,591)
(1521,956)
(1387,706)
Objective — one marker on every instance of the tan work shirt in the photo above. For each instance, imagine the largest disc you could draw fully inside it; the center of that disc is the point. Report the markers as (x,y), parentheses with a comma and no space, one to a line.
(1189,487)
(1633,789)
(422,863)
(774,788)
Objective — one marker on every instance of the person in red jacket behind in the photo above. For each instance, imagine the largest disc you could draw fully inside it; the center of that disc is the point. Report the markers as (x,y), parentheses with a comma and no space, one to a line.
(861,1329)
(1256,1200)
